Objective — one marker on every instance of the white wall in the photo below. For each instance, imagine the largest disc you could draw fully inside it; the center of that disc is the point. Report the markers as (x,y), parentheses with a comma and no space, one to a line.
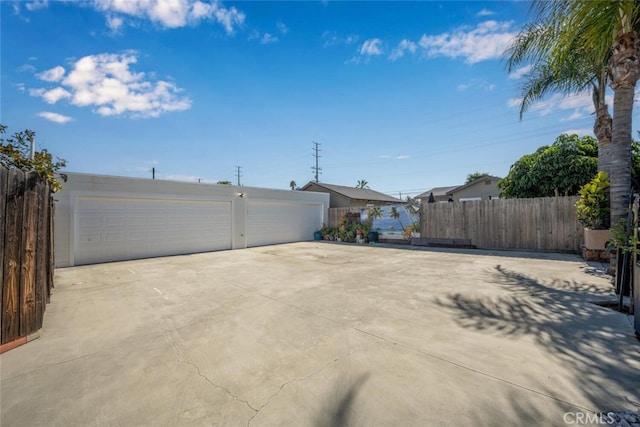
(80,187)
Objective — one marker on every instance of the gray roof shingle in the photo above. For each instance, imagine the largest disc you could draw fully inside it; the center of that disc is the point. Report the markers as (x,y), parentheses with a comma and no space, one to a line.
(357,193)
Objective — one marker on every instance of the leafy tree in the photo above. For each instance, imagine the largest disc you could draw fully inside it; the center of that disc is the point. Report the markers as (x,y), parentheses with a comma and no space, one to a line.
(559,169)
(224,182)
(605,29)
(362,184)
(15,152)
(293,185)
(476,175)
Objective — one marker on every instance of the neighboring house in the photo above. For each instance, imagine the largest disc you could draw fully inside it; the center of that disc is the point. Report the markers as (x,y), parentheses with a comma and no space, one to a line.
(439,194)
(484,188)
(341,196)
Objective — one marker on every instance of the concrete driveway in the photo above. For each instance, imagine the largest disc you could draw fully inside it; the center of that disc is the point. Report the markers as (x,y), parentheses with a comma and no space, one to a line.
(323,334)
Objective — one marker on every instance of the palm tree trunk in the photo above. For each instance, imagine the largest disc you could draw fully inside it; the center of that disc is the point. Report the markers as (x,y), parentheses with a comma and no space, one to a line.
(602,130)
(625,69)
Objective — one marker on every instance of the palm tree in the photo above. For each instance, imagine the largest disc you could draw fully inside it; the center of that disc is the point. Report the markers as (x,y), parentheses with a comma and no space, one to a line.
(572,69)
(362,183)
(605,29)
(396,215)
(374,213)
(292,184)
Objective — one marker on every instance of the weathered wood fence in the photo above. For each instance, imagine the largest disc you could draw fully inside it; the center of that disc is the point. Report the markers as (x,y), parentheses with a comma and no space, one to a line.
(336,213)
(26,245)
(542,224)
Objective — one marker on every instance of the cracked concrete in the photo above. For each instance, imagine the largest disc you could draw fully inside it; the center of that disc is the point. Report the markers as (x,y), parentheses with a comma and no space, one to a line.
(321,334)
(206,378)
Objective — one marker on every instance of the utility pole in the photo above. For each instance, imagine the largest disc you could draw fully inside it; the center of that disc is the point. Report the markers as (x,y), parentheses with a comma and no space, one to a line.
(153,173)
(316,169)
(238,173)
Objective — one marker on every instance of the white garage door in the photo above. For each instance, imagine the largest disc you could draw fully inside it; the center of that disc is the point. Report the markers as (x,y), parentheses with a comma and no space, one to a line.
(114,229)
(281,222)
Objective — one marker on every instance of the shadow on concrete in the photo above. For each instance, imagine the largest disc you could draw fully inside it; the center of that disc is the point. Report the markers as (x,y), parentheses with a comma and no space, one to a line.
(338,409)
(596,343)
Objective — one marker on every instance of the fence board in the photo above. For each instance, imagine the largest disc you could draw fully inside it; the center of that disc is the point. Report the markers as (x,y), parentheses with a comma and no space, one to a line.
(41,252)
(13,237)
(26,244)
(4,176)
(28,254)
(50,246)
(545,224)
(336,213)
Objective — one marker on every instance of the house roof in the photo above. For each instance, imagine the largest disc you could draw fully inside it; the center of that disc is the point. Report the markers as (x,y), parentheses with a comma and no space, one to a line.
(447,191)
(469,184)
(437,191)
(355,193)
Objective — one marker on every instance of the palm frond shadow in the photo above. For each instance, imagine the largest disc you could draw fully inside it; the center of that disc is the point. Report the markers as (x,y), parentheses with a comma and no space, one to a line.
(562,318)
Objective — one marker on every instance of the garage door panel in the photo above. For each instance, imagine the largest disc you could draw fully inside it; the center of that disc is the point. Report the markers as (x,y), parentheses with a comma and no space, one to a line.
(112,229)
(275,222)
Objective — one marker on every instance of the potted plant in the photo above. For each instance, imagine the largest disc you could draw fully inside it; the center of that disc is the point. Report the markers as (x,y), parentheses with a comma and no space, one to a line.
(593,210)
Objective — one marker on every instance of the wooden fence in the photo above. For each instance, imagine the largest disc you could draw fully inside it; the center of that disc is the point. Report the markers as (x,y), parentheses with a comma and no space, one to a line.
(26,245)
(542,224)
(336,213)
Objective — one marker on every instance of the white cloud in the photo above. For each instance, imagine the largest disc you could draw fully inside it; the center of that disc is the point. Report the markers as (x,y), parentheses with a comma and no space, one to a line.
(579,104)
(371,47)
(107,83)
(282,27)
(404,46)
(579,132)
(52,75)
(333,39)
(54,95)
(400,157)
(170,13)
(268,38)
(36,5)
(514,102)
(576,115)
(476,84)
(485,12)
(488,40)
(114,23)
(55,117)
(26,68)
(37,91)
(520,72)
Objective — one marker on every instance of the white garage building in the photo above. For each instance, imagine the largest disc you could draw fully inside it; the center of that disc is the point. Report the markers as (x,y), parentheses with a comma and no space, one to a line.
(107,218)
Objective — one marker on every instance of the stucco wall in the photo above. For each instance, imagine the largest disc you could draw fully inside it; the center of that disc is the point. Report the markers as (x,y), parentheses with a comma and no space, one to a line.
(480,189)
(83,185)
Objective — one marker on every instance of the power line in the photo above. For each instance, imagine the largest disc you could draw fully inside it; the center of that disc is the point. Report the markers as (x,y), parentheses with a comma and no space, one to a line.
(317,170)
(238,173)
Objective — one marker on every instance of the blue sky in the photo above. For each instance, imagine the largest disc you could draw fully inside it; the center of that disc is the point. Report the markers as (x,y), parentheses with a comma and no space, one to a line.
(405,95)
